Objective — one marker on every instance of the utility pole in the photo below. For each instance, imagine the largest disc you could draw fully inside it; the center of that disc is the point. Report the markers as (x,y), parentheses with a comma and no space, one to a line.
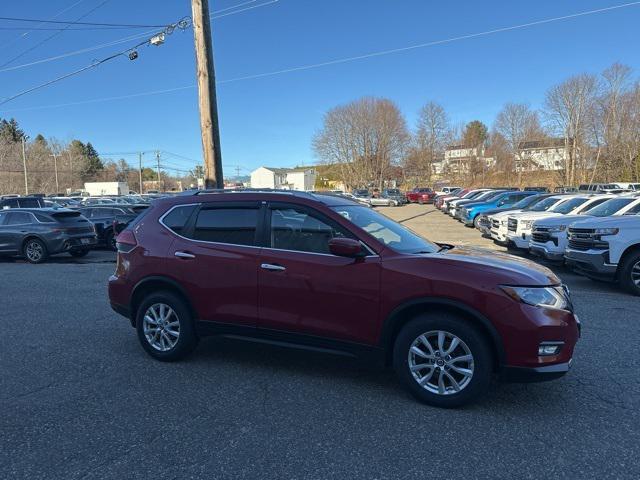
(55,168)
(158,168)
(24,163)
(140,171)
(207,102)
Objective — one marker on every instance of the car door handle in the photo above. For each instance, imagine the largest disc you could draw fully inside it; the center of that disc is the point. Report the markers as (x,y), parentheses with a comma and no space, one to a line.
(272,267)
(184,255)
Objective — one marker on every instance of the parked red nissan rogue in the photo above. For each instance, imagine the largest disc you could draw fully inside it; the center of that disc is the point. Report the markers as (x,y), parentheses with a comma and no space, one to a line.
(322,271)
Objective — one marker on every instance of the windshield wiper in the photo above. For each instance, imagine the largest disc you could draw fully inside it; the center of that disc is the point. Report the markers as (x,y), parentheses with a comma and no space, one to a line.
(444,248)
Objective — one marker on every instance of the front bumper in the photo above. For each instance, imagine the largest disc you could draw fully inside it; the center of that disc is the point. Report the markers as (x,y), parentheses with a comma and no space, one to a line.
(591,263)
(546,250)
(520,240)
(535,374)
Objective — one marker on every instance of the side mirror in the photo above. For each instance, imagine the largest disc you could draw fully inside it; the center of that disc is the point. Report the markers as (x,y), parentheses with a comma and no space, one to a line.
(345,247)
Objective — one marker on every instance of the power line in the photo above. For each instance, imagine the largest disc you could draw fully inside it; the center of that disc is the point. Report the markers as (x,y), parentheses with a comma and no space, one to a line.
(25,34)
(73,22)
(127,39)
(339,61)
(50,37)
(60,29)
(182,24)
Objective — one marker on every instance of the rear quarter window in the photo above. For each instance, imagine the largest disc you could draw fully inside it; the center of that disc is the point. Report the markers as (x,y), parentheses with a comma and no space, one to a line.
(176,219)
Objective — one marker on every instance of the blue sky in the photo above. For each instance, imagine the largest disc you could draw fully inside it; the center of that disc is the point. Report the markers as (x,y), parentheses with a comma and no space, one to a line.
(271,120)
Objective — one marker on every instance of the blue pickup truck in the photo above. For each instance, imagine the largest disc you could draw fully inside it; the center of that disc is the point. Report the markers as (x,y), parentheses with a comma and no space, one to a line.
(471,212)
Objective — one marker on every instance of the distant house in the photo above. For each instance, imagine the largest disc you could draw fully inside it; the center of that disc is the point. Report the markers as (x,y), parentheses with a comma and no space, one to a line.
(549,154)
(458,158)
(300,178)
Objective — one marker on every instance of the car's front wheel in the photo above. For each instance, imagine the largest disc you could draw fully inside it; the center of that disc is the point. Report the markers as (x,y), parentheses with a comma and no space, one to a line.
(443,360)
(35,251)
(630,273)
(165,327)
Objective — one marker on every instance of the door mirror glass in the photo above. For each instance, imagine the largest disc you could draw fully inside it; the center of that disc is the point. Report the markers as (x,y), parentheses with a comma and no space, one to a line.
(345,247)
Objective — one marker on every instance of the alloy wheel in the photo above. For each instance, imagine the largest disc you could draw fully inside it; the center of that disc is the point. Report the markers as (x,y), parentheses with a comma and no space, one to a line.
(635,274)
(34,251)
(161,327)
(441,362)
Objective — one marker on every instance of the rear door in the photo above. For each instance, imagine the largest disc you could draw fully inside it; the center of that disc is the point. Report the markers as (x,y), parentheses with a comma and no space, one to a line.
(305,289)
(15,227)
(4,232)
(215,257)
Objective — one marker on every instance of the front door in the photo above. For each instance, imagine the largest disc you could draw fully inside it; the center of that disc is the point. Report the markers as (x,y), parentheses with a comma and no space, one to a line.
(305,289)
(215,257)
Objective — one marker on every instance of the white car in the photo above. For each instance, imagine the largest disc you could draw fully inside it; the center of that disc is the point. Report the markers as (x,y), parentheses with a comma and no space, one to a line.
(499,221)
(520,226)
(446,190)
(549,237)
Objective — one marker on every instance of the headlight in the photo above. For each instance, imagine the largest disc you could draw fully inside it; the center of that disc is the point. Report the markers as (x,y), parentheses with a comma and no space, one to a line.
(557,228)
(546,297)
(606,231)
(526,224)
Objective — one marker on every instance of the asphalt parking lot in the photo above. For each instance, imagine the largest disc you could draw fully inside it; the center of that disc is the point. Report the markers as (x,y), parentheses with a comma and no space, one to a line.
(80,398)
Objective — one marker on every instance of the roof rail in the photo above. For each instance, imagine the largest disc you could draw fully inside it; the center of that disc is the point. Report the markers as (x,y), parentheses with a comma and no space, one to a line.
(250,190)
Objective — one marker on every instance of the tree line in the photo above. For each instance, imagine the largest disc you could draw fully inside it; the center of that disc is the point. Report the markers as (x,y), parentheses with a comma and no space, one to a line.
(593,119)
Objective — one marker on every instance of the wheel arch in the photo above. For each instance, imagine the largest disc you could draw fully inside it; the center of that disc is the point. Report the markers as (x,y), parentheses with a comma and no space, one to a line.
(154,284)
(405,312)
(33,236)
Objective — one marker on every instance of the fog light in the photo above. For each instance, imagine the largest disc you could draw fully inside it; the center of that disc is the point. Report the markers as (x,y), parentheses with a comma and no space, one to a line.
(549,348)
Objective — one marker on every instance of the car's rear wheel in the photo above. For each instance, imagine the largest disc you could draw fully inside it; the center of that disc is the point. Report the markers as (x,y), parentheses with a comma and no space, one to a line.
(165,327)
(35,251)
(443,360)
(630,273)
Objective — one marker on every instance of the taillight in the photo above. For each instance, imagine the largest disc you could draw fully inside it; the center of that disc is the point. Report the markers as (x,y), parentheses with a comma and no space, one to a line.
(126,241)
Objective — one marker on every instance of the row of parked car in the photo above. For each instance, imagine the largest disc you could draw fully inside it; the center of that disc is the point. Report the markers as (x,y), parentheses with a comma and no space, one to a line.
(37,227)
(595,232)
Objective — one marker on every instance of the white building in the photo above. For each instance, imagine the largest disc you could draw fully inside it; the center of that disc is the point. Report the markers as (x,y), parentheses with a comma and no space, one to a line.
(548,154)
(301,178)
(458,159)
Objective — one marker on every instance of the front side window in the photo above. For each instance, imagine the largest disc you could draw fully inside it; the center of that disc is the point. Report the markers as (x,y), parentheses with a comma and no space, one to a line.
(386,231)
(609,207)
(297,230)
(235,226)
(568,206)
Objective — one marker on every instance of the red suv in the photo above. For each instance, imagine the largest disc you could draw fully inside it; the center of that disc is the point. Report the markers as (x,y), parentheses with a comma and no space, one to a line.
(420,195)
(324,272)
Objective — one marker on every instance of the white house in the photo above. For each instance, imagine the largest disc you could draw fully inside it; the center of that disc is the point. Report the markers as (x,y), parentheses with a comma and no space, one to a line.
(548,154)
(458,158)
(300,178)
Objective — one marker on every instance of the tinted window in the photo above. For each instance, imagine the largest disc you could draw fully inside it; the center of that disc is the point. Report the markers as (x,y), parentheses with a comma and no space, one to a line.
(3,217)
(177,218)
(44,218)
(236,226)
(609,207)
(11,203)
(293,229)
(102,212)
(568,206)
(19,218)
(29,203)
(632,211)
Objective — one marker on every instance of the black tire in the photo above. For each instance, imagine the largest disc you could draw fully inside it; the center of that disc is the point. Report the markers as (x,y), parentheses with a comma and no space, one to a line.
(476,222)
(34,251)
(630,267)
(110,240)
(474,340)
(187,339)
(79,252)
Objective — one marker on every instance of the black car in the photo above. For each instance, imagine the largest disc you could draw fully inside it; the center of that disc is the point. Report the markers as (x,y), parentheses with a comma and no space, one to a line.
(36,233)
(22,202)
(109,220)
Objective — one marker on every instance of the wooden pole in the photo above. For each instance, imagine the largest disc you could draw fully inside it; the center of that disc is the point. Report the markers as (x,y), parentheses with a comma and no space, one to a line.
(24,163)
(140,172)
(207,103)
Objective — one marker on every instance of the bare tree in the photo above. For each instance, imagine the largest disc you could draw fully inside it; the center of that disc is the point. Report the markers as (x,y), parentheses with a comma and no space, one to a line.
(365,138)
(517,124)
(433,133)
(568,107)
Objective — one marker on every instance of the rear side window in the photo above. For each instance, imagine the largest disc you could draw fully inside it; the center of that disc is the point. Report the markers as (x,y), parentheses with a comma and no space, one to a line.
(29,203)
(632,211)
(44,218)
(236,226)
(19,218)
(10,203)
(177,218)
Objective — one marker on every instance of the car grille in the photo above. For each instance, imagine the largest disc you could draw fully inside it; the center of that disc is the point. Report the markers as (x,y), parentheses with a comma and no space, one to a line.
(495,223)
(585,239)
(542,237)
(512,225)
(484,221)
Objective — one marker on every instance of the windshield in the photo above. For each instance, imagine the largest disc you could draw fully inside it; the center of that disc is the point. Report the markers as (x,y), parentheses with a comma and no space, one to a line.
(544,205)
(568,206)
(385,230)
(527,202)
(609,207)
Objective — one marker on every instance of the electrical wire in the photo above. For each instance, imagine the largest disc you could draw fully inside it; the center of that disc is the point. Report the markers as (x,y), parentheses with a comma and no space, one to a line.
(50,37)
(25,34)
(74,22)
(59,29)
(124,39)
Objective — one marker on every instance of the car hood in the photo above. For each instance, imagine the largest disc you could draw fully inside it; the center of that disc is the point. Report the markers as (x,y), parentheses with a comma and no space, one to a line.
(514,270)
(559,220)
(494,211)
(606,222)
(502,215)
(538,215)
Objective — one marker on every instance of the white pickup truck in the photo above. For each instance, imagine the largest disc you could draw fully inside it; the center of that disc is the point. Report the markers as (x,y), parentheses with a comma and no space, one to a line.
(520,226)
(549,238)
(607,249)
